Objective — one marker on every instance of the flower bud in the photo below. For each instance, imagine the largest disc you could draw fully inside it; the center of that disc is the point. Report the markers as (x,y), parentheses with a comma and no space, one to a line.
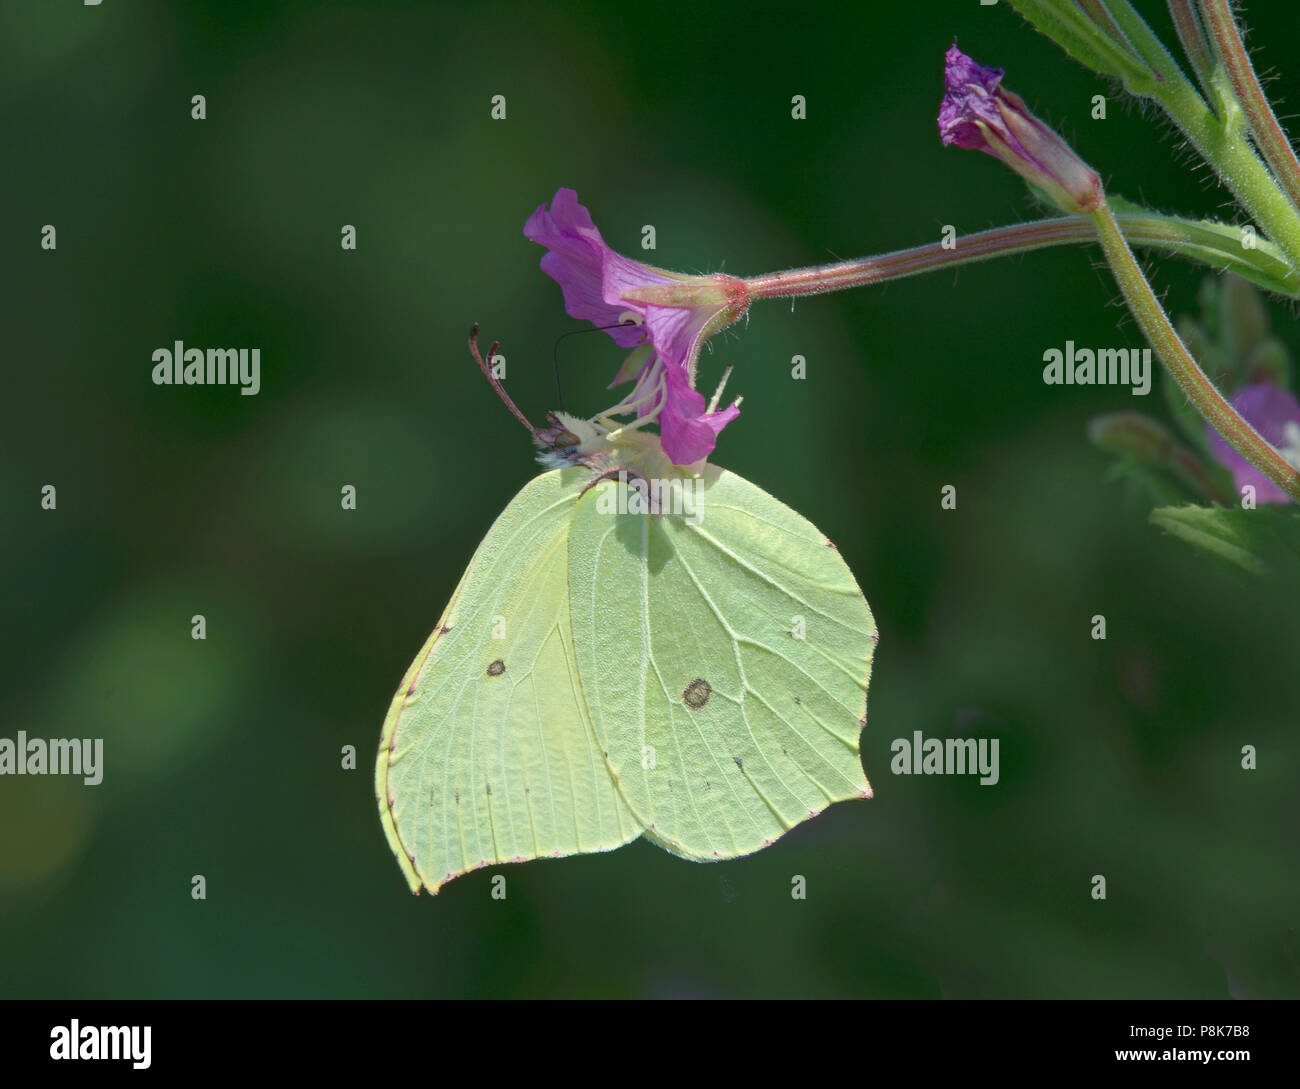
(979,114)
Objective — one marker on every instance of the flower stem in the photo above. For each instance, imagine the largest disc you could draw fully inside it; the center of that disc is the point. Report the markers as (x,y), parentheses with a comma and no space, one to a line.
(1190,32)
(1121,44)
(1221,141)
(1147,45)
(1264,127)
(1089,40)
(1215,244)
(1211,404)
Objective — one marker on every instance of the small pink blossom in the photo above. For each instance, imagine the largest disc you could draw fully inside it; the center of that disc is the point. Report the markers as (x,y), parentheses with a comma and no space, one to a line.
(670,314)
(1275,414)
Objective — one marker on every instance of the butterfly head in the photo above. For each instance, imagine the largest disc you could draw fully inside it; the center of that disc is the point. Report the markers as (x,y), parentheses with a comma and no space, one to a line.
(570,440)
(603,442)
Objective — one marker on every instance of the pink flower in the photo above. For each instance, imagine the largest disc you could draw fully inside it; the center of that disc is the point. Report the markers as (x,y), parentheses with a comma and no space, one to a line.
(1275,414)
(671,315)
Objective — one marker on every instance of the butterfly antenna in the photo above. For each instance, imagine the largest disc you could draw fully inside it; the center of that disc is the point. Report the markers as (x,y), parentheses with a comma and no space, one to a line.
(555,354)
(492,378)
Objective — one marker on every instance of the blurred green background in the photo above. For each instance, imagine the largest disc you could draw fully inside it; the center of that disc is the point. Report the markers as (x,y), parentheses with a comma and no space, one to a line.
(222,757)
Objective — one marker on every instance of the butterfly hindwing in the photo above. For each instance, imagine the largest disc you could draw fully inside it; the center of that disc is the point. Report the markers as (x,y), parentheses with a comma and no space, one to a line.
(725,664)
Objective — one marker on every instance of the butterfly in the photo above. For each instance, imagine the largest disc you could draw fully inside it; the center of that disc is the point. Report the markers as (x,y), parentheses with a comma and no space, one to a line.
(636,649)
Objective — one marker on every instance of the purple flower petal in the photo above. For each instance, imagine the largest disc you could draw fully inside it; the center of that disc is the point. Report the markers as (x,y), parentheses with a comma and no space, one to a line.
(687,432)
(1275,414)
(674,313)
(968,89)
(580,261)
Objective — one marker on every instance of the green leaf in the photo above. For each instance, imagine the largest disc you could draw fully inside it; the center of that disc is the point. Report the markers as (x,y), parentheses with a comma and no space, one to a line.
(1215,244)
(1212,243)
(1086,42)
(1262,541)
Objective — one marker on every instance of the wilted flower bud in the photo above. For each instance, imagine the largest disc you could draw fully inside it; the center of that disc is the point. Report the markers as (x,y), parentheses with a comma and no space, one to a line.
(1133,434)
(664,316)
(978,113)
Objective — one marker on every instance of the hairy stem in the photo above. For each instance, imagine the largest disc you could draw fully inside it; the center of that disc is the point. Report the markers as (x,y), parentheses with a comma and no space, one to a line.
(1264,127)
(1215,245)
(1211,404)
(1192,35)
(1221,142)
